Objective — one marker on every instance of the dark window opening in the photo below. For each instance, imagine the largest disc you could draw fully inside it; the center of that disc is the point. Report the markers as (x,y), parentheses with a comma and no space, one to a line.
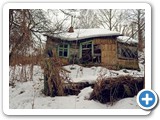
(63,50)
(50,53)
(60,53)
(87,52)
(65,53)
(127,52)
(97,54)
(66,46)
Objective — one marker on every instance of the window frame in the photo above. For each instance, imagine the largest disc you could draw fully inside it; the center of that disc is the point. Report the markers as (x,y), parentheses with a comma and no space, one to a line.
(121,48)
(62,48)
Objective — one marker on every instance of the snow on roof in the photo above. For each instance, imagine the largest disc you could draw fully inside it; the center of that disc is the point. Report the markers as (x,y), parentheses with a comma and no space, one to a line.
(79,34)
(126,39)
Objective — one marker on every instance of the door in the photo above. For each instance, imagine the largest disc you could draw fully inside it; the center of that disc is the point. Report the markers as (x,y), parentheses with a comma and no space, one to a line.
(86,51)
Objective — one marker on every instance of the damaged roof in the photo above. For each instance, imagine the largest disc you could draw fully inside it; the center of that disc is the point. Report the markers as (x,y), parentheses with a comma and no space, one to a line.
(126,39)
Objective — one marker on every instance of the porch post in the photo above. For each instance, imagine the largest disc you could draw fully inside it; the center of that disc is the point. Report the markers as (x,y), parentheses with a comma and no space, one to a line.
(92,49)
(80,50)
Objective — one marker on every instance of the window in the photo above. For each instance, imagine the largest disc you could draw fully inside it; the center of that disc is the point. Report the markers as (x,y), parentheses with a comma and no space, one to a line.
(127,52)
(63,50)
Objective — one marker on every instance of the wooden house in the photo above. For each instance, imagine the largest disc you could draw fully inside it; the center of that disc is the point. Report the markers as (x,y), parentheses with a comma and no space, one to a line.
(93,47)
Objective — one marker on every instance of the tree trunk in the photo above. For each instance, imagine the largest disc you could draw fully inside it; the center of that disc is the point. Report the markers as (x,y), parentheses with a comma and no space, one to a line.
(140,39)
(110,19)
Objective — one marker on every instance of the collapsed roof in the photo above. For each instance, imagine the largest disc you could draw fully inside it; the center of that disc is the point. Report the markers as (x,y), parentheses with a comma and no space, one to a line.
(126,39)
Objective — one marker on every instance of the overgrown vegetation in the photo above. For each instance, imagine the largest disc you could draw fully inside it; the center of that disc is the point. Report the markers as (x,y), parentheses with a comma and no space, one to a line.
(54,80)
(26,50)
(26,44)
(109,90)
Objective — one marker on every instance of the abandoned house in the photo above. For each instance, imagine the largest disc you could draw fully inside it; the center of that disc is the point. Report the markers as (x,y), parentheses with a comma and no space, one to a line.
(93,47)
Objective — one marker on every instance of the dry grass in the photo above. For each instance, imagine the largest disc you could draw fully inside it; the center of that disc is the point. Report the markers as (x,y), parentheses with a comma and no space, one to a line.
(113,89)
(55,76)
(26,60)
(21,67)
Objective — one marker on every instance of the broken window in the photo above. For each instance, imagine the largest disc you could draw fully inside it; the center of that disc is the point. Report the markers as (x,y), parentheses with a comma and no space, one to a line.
(87,51)
(97,54)
(125,51)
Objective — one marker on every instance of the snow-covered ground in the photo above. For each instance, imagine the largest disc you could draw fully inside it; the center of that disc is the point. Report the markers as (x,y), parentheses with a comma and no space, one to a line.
(84,74)
(28,95)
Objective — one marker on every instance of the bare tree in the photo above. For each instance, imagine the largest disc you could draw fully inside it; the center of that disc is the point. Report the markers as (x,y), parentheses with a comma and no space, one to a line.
(88,19)
(110,18)
(137,20)
(26,27)
(19,33)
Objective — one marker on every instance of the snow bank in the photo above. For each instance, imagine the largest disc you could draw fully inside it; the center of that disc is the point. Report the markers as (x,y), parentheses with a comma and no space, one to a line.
(92,74)
(127,103)
(85,93)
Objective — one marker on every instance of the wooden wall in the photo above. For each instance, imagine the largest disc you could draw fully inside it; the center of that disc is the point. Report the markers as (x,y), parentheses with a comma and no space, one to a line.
(132,64)
(108,51)
(109,55)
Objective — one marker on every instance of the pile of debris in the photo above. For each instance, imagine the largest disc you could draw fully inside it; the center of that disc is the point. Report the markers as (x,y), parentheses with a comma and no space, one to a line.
(113,89)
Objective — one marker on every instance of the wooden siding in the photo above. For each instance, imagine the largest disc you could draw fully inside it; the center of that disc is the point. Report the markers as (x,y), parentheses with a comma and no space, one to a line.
(105,41)
(132,64)
(108,51)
